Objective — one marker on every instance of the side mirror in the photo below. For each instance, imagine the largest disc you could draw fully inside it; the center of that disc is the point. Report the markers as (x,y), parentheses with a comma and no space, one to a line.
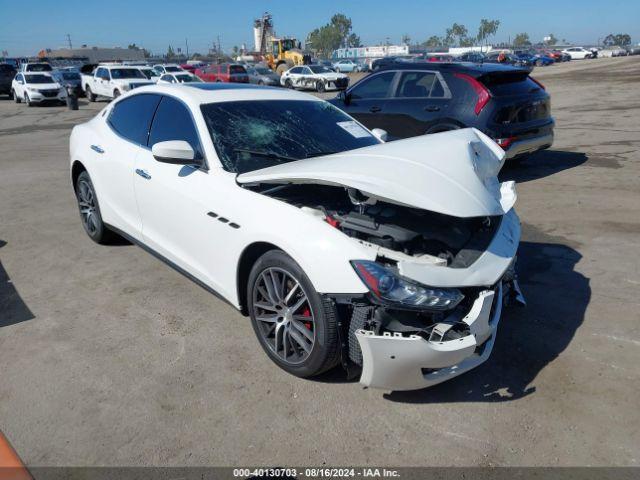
(177,152)
(380,134)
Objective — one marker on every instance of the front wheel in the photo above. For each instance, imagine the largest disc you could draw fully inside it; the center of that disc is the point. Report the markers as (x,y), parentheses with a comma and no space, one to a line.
(288,83)
(295,326)
(320,87)
(16,97)
(116,93)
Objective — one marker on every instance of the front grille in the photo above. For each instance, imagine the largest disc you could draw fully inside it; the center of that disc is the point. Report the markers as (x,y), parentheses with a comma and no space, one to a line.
(49,93)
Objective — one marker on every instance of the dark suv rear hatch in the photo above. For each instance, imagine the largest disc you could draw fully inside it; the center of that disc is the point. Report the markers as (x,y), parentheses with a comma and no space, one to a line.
(521,99)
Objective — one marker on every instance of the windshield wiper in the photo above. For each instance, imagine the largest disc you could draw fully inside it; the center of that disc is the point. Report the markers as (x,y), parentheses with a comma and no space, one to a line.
(258,153)
(320,154)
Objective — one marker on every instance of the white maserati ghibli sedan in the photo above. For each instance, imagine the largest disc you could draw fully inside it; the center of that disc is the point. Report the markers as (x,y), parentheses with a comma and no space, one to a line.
(392,258)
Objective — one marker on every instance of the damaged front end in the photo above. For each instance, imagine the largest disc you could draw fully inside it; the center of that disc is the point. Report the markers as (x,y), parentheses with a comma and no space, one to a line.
(440,237)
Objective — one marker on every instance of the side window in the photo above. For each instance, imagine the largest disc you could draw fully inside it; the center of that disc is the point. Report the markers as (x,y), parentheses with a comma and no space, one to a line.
(376,87)
(307,71)
(437,90)
(131,117)
(296,70)
(20,78)
(416,84)
(167,78)
(173,122)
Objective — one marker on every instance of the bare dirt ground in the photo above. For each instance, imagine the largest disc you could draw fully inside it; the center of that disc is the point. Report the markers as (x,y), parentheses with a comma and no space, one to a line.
(108,357)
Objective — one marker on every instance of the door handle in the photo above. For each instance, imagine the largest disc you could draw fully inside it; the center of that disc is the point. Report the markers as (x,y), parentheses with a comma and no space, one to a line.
(432,108)
(374,109)
(97,148)
(143,174)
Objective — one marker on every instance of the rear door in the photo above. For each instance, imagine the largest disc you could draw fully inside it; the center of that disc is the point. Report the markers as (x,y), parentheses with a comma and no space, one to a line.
(419,102)
(125,137)
(368,98)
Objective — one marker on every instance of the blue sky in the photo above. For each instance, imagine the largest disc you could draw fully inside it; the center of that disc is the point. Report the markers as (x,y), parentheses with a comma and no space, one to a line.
(27,27)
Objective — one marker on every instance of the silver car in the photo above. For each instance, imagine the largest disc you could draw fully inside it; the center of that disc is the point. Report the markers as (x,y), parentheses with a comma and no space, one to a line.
(262,75)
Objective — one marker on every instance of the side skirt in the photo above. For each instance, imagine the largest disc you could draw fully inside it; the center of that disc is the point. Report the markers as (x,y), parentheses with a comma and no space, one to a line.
(168,262)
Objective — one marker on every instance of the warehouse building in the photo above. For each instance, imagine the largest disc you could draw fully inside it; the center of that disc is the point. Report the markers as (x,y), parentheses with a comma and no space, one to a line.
(95,54)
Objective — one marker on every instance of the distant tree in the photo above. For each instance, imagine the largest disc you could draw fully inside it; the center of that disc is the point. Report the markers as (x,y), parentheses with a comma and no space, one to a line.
(146,53)
(335,34)
(552,39)
(521,40)
(133,46)
(353,41)
(488,28)
(406,39)
(433,41)
(235,50)
(455,34)
(170,52)
(623,39)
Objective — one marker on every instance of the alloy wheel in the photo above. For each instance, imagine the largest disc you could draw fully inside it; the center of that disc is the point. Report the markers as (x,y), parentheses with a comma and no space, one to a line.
(284,315)
(87,204)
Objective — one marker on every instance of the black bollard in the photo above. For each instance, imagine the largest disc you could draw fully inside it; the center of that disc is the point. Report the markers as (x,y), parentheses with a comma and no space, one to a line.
(72,98)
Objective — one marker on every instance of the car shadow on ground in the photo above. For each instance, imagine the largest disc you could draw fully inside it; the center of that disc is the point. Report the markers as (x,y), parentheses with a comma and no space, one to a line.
(12,308)
(528,338)
(541,164)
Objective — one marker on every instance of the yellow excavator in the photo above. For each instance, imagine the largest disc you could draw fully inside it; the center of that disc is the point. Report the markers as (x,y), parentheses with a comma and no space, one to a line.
(285,53)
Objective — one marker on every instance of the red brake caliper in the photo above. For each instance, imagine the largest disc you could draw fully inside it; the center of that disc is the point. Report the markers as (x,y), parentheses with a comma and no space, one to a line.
(306,313)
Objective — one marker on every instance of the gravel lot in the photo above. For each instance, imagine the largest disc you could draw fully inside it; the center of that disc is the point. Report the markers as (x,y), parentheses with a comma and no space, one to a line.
(109,357)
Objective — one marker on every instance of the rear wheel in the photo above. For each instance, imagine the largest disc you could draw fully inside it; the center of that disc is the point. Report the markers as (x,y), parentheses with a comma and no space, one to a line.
(90,211)
(89,94)
(320,86)
(295,326)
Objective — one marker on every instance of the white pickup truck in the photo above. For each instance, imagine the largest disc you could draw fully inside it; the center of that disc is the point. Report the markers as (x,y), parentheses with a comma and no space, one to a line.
(111,81)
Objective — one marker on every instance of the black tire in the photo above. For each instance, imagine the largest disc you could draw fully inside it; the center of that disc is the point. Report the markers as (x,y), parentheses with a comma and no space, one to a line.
(288,83)
(323,353)
(261,83)
(92,224)
(116,93)
(320,86)
(89,94)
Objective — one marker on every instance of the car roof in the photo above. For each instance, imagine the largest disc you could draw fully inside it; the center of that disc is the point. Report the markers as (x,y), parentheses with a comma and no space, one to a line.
(196,94)
(474,69)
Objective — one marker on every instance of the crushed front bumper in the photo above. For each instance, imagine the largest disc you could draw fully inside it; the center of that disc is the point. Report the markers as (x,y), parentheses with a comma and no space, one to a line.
(392,361)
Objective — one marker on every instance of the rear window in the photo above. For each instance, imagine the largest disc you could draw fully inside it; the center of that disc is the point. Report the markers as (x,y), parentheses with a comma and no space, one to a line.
(511,83)
(237,69)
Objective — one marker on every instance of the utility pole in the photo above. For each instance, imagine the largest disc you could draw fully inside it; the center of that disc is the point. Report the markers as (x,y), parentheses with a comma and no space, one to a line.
(69,41)
(186,43)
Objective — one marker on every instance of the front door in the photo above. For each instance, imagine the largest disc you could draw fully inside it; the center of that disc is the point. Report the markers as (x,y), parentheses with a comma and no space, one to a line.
(367,99)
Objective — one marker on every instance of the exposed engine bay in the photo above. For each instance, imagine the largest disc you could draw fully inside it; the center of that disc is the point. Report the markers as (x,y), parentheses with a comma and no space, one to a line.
(399,231)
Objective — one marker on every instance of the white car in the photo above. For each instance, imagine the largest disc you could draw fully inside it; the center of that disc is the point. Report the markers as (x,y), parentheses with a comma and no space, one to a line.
(315,77)
(37,87)
(183,77)
(167,68)
(578,53)
(36,67)
(346,66)
(150,73)
(111,81)
(342,249)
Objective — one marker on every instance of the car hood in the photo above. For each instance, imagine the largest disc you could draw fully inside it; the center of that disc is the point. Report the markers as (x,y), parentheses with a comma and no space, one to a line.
(44,86)
(332,76)
(453,173)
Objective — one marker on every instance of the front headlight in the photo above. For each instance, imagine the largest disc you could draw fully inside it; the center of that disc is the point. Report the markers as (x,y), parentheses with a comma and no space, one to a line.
(32,89)
(391,288)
